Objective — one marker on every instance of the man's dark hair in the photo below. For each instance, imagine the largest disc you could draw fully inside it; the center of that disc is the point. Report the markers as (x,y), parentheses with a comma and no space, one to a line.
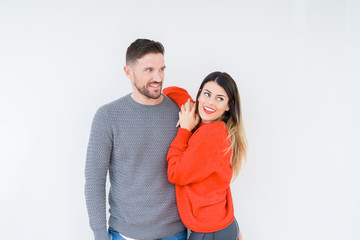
(141,47)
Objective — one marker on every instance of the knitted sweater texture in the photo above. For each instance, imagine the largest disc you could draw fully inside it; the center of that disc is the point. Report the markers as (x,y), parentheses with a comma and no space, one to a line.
(199,166)
(130,141)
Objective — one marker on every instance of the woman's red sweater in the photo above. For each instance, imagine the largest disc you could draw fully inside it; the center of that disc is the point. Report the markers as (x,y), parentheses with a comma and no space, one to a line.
(199,166)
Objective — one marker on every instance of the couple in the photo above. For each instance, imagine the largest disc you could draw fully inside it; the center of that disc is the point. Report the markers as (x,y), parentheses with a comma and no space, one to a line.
(150,160)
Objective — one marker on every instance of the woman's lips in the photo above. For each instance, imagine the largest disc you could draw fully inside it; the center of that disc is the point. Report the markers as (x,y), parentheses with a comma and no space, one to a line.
(208,110)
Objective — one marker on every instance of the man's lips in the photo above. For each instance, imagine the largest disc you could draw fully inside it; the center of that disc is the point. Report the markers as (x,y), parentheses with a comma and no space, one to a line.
(155,84)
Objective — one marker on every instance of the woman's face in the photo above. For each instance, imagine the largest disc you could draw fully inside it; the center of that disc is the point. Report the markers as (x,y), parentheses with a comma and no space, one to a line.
(213,102)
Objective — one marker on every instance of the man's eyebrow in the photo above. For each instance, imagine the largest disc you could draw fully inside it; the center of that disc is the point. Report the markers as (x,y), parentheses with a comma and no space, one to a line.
(153,67)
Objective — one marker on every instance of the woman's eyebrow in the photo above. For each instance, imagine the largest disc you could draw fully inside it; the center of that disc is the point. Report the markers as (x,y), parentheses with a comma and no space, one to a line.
(219,95)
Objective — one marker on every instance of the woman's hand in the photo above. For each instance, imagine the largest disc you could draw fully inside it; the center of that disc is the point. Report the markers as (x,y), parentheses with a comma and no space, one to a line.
(187,117)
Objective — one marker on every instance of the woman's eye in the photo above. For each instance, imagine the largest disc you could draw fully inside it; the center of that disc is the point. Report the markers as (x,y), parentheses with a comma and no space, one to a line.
(220,98)
(207,94)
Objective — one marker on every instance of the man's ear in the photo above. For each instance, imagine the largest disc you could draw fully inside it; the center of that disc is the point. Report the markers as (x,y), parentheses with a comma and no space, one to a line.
(128,70)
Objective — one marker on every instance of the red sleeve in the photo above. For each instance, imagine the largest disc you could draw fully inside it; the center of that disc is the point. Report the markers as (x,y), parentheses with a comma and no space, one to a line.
(194,157)
(178,95)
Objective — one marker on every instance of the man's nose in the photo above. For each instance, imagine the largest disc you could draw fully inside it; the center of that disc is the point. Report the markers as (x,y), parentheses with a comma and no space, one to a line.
(156,76)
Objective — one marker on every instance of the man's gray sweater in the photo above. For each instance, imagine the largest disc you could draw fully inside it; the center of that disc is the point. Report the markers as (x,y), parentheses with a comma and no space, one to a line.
(131,141)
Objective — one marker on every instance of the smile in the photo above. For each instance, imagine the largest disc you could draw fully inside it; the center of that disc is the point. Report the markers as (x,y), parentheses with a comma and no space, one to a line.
(155,84)
(208,110)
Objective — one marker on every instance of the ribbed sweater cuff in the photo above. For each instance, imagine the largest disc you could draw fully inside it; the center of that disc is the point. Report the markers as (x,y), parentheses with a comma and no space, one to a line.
(101,234)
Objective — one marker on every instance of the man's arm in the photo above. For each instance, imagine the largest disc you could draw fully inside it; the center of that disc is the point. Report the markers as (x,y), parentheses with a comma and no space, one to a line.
(97,165)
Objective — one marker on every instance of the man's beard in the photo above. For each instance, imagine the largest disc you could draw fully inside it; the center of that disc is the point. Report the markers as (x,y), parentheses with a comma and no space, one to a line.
(144,91)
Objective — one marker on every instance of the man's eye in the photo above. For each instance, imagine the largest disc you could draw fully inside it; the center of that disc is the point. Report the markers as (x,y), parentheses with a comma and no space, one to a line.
(162,69)
(148,70)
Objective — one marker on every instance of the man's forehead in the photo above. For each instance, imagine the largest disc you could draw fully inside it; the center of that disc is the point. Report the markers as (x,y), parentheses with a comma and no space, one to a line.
(151,57)
(151,60)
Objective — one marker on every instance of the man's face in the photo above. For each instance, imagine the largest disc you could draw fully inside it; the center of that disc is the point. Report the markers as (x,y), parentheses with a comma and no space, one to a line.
(147,76)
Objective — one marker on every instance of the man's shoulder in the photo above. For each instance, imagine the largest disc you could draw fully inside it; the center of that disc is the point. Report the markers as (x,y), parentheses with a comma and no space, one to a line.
(118,102)
(126,104)
(168,101)
(115,104)
(112,107)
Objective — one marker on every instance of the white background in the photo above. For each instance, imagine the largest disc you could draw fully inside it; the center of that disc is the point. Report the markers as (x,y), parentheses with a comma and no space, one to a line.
(296,63)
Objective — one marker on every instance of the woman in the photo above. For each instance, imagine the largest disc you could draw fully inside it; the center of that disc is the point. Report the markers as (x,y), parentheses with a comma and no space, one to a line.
(204,157)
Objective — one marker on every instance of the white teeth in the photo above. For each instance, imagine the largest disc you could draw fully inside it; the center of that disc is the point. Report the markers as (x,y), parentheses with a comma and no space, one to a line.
(208,109)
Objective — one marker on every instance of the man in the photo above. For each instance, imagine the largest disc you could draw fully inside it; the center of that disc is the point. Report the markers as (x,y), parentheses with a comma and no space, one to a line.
(130,138)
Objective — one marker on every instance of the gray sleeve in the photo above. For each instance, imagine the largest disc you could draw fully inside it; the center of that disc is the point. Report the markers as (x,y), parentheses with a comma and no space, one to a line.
(96,168)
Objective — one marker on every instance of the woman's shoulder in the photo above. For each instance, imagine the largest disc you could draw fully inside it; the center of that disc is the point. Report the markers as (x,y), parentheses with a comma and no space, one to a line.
(213,135)
(215,129)
(216,125)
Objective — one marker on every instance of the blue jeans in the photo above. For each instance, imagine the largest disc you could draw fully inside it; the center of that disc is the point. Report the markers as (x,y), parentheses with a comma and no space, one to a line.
(113,235)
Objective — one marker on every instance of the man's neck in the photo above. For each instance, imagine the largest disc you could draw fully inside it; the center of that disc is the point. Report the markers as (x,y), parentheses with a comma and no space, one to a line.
(139,98)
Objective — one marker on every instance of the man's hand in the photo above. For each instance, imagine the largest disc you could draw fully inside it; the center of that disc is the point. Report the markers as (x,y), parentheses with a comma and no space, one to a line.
(187,117)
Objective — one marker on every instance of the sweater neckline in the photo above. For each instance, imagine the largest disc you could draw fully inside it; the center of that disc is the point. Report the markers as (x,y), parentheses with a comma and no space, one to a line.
(143,106)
